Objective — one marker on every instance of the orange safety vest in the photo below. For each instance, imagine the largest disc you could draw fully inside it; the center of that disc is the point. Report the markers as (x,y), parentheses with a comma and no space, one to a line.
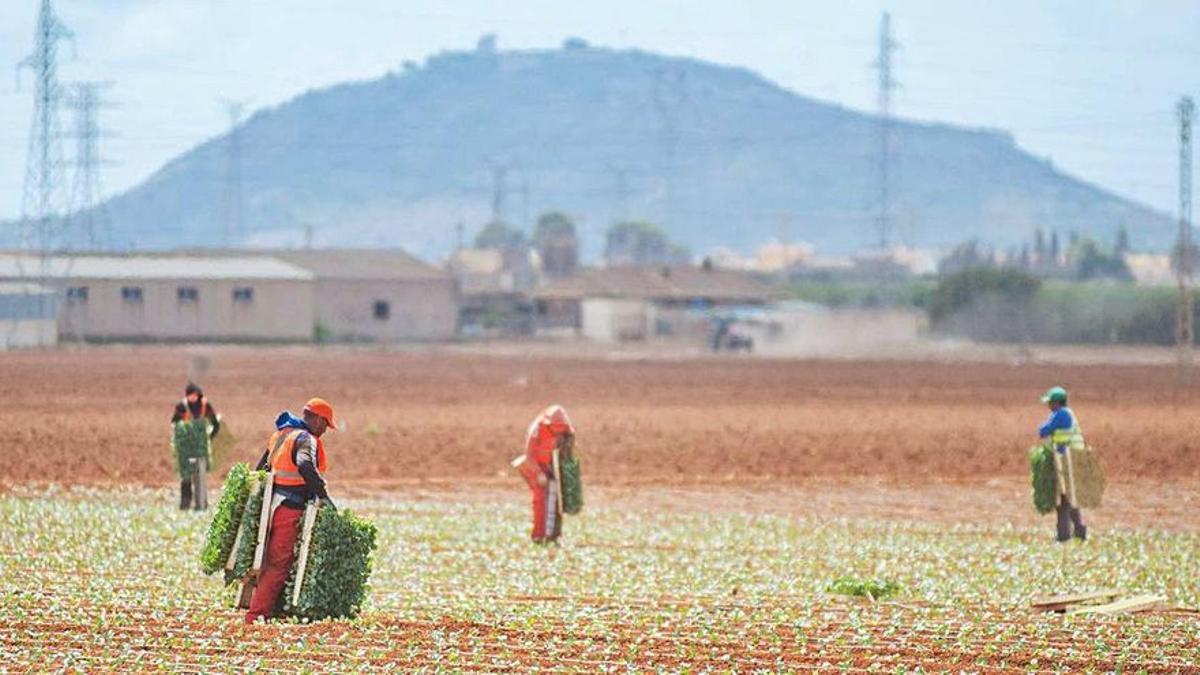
(187,411)
(286,472)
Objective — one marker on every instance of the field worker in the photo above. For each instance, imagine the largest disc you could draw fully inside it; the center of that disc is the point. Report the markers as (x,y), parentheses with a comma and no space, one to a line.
(551,429)
(194,406)
(1062,431)
(296,456)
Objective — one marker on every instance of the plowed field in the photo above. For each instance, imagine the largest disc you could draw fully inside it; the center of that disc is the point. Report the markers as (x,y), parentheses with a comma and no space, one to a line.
(723,497)
(100,415)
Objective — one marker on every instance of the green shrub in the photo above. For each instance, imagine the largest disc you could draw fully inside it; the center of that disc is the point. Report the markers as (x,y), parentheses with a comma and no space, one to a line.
(339,564)
(876,589)
(1041,473)
(572,485)
(227,519)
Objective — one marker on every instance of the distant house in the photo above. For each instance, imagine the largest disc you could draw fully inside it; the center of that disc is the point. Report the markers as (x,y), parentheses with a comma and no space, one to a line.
(244,298)
(28,316)
(493,283)
(1151,269)
(378,295)
(636,303)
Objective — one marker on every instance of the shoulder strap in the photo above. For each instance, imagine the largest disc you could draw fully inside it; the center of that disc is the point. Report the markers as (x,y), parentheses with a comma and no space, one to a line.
(278,446)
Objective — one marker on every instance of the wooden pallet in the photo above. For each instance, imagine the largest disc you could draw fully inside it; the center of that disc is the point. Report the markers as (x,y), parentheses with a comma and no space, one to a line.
(1136,603)
(1060,603)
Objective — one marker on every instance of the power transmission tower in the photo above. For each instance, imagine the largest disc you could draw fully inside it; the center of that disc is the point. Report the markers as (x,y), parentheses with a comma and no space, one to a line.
(1184,339)
(499,189)
(44,199)
(671,98)
(621,192)
(89,217)
(887,45)
(233,171)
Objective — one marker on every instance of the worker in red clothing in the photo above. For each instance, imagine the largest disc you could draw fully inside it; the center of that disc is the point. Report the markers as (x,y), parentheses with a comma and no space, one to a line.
(295,455)
(550,430)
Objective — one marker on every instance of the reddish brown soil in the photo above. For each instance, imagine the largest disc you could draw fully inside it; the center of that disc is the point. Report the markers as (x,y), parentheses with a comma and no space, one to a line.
(100,415)
(838,637)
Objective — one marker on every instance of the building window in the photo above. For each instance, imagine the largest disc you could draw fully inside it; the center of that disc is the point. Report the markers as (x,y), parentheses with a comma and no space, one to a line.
(383,310)
(77,294)
(131,293)
(243,295)
(188,294)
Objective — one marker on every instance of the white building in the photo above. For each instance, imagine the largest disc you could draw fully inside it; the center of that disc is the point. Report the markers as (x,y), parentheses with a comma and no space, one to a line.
(27,316)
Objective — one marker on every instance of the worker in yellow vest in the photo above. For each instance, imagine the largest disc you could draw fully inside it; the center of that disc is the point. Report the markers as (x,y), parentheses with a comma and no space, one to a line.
(295,454)
(1061,430)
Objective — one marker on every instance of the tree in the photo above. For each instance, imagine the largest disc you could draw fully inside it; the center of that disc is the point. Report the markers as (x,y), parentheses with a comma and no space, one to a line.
(1039,246)
(1093,262)
(984,303)
(1122,245)
(636,243)
(967,255)
(553,225)
(1054,250)
(557,244)
(500,236)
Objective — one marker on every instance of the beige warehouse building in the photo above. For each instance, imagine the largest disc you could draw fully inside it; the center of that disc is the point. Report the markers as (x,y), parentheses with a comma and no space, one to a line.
(246,298)
(378,295)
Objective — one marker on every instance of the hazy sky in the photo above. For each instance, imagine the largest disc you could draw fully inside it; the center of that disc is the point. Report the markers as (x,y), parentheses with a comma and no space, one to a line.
(1092,84)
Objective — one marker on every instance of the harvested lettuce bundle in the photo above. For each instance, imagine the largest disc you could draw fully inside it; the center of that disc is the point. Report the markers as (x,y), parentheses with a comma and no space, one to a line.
(336,570)
(1041,474)
(227,519)
(572,484)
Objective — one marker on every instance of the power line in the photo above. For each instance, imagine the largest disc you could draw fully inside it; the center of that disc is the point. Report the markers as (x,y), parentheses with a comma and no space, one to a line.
(233,171)
(1184,338)
(88,212)
(499,189)
(887,84)
(44,198)
(671,97)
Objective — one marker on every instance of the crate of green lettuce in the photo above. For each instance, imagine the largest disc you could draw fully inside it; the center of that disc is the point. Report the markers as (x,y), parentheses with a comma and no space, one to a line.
(190,445)
(334,551)
(1082,477)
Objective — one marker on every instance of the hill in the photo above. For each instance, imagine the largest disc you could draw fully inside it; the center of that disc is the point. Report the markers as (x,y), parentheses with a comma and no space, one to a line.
(718,155)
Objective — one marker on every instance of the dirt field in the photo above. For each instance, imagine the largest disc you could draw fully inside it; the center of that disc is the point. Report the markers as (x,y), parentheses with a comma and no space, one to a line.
(100,415)
(723,497)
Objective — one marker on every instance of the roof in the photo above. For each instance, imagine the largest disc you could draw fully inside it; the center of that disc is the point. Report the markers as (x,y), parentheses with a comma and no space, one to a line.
(659,283)
(361,264)
(17,266)
(477,261)
(19,288)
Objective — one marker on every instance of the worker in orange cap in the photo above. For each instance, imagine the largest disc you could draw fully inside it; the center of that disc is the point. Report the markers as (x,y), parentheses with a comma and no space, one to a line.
(295,455)
(549,431)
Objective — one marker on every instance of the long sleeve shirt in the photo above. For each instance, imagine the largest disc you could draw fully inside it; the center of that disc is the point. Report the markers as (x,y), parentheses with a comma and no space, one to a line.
(193,409)
(304,455)
(1061,419)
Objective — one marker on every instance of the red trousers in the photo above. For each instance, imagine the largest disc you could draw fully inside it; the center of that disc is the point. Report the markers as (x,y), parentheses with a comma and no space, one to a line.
(547,522)
(277,563)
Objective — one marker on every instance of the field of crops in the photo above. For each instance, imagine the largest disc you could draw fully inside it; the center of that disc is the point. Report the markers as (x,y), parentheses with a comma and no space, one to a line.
(725,497)
(107,579)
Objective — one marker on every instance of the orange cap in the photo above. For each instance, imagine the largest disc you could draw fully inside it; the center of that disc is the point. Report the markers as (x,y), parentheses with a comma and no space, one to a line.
(319,406)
